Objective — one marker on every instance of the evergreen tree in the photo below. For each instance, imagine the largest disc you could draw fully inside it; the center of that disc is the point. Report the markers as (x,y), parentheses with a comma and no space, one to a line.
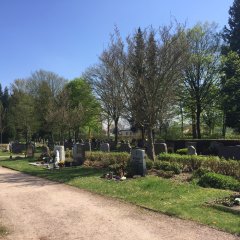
(232,33)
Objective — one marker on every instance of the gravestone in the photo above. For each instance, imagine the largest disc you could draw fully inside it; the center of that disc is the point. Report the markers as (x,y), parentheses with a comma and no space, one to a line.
(30,150)
(160,148)
(18,147)
(194,144)
(57,158)
(88,146)
(125,147)
(191,150)
(78,154)
(104,147)
(215,147)
(138,163)
(61,152)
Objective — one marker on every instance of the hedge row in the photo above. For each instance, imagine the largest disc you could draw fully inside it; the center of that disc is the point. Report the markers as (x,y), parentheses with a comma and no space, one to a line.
(213,163)
(105,159)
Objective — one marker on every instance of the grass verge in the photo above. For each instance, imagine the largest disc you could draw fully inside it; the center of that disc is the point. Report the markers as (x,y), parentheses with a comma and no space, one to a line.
(186,201)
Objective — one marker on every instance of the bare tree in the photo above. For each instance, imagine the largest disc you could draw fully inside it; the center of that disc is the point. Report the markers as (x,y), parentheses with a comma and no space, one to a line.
(157,78)
(107,80)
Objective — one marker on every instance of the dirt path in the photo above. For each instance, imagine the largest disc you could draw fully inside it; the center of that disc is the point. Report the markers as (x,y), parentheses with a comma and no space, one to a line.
(34,208)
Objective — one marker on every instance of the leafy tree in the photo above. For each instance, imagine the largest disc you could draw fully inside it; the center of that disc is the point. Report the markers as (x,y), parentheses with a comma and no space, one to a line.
(83,105)
(201,72)
(230,89)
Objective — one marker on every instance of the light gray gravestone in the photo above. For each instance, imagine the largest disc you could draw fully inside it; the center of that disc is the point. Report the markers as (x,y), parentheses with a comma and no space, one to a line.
(78,153)
(30,150)
(61,152)
(138,163)
(191,150)
(160,148)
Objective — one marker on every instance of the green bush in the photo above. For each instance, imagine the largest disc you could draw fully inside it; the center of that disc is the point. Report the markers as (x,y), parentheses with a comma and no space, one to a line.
(182,151)
(200,172)
(215,180)
(108,159)
(213,163)
(149,164)
(167,166)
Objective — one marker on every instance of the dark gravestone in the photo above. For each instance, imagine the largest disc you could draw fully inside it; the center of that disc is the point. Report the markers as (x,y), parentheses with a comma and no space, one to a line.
(104,147)
(138,163)
(230,152)
(88,146)
(191,150)
(78,154)
(45,151)
(125,147)
(18,147)
(160,148)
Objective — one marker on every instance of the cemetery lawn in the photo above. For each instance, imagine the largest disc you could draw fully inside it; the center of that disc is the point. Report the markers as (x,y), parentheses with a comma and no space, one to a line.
(183,200)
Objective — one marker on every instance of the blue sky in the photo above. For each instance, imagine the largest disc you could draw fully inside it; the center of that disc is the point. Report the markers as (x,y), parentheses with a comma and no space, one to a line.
(67,36)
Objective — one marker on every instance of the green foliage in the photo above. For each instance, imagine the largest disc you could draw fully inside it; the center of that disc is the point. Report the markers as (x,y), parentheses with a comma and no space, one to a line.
(107,159)
(215,180)
(182,151)
(213,163)
(149,164)
(200,172)
(167,166)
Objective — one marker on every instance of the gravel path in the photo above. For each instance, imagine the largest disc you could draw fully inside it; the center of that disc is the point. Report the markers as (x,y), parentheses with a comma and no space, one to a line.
(34,208)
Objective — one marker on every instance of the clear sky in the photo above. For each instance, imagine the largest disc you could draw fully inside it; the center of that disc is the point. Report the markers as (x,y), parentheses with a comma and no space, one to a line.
(67,36)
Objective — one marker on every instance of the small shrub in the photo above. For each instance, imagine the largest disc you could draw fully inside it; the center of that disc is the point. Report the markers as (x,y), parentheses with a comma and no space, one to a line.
(165,174)
(167,166)
(200,172)
(149,164)
(215,180)
(182,151)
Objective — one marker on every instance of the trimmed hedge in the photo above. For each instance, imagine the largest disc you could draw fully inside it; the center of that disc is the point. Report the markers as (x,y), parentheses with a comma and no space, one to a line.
(105,159)
(212,163)
(182,151)
(167,166)
(215,180)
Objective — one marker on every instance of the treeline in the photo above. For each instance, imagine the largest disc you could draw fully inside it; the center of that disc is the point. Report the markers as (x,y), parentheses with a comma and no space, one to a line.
(47,106)
(152,78)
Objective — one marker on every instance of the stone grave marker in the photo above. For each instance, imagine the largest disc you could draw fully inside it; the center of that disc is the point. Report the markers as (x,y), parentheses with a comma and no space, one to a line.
(138,163)
(104,147)
(125,147)
(30,150)
(191,150)
(194,144)
(88,146)
(18,147)
(61,152)
(160,148)
(78,153)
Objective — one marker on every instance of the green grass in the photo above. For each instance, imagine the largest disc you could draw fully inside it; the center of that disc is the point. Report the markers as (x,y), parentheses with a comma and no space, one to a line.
(187,201)
(4,153)
(3,231)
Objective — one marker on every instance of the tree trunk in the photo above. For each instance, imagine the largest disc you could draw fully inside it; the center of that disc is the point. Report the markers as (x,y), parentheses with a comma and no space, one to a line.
(194,132)
(198,114)
(224,125)
(150,145)
(116,130)
(181,112)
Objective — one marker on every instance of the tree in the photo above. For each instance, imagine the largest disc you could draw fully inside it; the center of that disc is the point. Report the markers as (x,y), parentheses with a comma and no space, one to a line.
(83,105)
(107,80)
(231,34)
(201,72)
(22,111)
(159,76)
(230,90)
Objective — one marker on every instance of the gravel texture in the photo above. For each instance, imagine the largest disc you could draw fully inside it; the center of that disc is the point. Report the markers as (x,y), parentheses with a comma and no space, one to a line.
(34,208)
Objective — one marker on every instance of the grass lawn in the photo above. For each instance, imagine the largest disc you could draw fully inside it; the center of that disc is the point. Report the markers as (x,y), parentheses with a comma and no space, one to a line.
(4,153)
(183,200)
